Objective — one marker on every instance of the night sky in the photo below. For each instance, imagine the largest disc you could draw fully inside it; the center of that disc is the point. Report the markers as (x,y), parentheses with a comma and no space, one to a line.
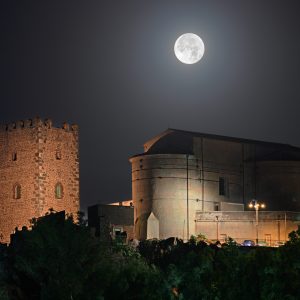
(109,66)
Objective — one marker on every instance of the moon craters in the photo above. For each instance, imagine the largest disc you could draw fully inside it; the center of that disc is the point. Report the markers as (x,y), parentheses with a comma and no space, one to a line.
(189,48)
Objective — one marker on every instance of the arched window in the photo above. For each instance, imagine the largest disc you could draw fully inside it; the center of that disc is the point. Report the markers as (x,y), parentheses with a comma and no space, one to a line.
(58,154)
(14,156)
(17,191)
(58,191)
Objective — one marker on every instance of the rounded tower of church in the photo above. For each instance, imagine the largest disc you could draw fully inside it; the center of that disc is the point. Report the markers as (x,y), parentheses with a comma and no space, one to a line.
(164,190)
(39,170)
(166,187)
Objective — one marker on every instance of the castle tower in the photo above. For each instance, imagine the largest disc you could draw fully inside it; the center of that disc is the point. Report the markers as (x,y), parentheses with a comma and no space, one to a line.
(39,170)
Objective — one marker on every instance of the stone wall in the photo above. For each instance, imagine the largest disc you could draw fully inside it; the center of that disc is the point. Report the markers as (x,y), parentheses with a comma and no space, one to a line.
(273,226)
(278,184)
(36,156)
(220,159)
(159,185)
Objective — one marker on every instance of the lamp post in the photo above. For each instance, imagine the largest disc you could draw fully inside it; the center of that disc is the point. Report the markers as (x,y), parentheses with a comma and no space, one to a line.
(187,199)
(256,205)
(217,220)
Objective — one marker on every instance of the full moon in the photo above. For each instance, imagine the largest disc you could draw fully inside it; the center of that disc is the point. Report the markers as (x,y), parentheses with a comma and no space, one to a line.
(189,48)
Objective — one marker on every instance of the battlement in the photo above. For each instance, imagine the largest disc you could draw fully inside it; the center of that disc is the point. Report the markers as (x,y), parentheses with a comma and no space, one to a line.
(36,123)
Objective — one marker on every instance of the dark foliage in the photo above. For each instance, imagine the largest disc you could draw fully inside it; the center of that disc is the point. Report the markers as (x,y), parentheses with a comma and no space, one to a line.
(59,259)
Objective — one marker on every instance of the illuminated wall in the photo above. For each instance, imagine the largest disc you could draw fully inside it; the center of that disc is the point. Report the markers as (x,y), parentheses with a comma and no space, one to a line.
(181,173)
(39,170)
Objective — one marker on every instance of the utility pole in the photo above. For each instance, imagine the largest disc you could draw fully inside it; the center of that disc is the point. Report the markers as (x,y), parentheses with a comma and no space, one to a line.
(256,214)
(217,220)
(256,205)
(187,198)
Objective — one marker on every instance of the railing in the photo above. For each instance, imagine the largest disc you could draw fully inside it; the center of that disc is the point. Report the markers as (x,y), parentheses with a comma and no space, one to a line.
(246,216)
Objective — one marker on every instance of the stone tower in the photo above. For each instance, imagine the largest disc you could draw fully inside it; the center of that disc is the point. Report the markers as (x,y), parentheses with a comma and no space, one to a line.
(39,170)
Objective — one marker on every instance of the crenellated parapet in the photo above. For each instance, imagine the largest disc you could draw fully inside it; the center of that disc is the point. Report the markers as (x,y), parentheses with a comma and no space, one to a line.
(36,123)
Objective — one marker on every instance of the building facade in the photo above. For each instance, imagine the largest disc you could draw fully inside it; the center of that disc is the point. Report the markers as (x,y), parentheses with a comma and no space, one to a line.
(39,170)
(183,175)
(110,221)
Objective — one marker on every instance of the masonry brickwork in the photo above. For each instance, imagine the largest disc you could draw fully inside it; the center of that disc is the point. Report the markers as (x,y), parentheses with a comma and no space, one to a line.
(39,170)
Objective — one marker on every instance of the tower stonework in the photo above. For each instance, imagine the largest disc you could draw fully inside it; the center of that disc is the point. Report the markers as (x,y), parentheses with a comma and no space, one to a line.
(39,170)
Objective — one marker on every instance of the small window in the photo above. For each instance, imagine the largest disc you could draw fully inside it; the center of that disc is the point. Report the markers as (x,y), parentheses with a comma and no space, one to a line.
(117,230)
(17,191)
(223,186)
(216,206)
(14,156)
(58,191)
(58,154)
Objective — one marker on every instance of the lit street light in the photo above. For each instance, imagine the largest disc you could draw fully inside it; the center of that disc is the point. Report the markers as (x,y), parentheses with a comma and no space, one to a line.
(256,205)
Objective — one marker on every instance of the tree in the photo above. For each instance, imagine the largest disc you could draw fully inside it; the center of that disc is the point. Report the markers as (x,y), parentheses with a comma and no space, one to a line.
(54,260)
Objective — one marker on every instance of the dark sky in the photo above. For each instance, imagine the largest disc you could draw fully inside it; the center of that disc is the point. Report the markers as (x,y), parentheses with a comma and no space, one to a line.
(109,66)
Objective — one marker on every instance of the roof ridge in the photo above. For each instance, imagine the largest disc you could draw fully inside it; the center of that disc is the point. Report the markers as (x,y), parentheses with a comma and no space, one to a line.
(224,137)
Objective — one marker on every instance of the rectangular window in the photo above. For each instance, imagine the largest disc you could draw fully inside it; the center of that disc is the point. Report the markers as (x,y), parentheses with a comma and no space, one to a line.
(222,186)
(216,206)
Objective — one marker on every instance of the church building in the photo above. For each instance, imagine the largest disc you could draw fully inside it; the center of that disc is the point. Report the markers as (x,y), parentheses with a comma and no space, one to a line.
(188,183)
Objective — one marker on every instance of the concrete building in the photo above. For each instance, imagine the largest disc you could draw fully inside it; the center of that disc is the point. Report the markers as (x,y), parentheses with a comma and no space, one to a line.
(39,170)
(184,180)
(112,220)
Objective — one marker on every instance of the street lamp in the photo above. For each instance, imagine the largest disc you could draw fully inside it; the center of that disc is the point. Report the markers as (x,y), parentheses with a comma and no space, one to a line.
(256,205)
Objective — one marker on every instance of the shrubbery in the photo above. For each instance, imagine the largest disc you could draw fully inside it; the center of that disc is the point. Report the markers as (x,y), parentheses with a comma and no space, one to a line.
(58,259)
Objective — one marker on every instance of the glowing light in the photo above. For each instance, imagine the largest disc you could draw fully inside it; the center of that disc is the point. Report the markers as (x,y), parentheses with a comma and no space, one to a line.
(255,204)
(189,48)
